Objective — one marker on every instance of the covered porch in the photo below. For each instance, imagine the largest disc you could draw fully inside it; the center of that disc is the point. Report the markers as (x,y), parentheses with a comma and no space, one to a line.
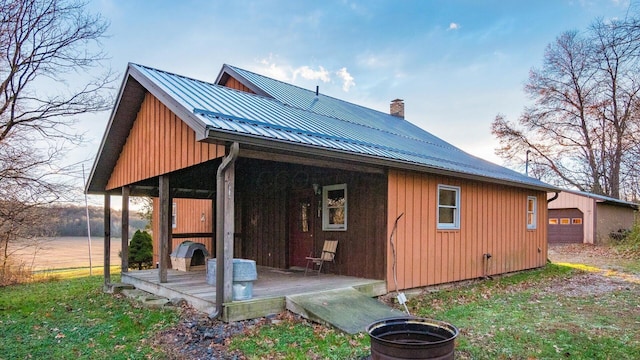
(271,204)
(270,291)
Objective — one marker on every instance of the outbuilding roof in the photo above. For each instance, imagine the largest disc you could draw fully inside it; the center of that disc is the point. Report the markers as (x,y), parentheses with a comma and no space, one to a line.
(287,117)
(604,199)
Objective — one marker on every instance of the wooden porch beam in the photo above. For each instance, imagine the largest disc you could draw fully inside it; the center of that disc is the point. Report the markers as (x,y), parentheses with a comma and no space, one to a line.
(125,230)
(164,226)
(107,242)
(310,161)
(229,229)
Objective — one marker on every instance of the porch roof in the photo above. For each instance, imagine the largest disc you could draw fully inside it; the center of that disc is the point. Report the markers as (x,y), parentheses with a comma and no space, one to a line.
(287,117)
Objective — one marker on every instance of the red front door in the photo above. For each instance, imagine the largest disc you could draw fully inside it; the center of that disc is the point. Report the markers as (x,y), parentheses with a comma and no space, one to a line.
(301,226)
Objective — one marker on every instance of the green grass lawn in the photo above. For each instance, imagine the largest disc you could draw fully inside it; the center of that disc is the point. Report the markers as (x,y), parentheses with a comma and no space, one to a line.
(74,319)
(557,312)
(513,317)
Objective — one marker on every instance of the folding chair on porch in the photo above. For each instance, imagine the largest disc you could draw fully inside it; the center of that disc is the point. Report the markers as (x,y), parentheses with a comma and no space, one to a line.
(328,254)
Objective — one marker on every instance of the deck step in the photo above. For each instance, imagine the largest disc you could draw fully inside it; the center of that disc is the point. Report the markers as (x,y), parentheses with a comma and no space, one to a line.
(346,309)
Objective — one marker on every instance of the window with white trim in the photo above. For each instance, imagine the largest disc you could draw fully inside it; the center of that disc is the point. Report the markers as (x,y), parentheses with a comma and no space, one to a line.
(448,207)
(532,209)
(334,207)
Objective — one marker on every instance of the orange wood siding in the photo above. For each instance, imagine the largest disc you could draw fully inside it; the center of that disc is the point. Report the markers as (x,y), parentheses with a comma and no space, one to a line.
(158,143)
(492,220)
(189,220)
(235,84)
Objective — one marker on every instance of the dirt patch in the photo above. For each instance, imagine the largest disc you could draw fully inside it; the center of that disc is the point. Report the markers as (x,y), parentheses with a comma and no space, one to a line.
(604,257)
(587,284)
(197,336)
(604,265)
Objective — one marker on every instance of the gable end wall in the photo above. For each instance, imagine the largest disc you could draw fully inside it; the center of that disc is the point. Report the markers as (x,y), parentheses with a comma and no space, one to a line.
(567,200)
(158,143)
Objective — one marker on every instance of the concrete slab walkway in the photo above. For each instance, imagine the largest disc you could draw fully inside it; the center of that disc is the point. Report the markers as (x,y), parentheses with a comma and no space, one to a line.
(346,309)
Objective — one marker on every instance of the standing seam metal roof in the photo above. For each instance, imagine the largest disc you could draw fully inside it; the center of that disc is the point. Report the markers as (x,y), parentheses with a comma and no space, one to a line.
(295,115)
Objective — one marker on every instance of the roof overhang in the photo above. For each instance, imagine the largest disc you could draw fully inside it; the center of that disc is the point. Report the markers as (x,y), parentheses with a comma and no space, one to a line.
(602,199)
(215,135)
(133,89)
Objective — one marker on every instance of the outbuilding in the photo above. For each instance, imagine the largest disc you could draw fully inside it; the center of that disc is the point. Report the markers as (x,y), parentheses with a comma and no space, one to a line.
(577,217)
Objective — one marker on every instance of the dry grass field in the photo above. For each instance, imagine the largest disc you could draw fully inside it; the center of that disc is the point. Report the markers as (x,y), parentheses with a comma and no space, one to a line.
(67,252)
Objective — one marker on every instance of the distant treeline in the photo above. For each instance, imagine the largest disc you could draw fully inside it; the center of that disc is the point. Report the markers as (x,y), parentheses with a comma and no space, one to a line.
(72,221)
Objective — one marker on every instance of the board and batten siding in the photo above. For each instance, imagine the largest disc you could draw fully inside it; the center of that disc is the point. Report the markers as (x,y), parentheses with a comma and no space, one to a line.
(492,220)
(159,143)
(235,84)
(192,216)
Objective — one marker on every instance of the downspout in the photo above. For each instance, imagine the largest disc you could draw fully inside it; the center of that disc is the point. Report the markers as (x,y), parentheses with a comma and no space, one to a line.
(228,160)
(553,197)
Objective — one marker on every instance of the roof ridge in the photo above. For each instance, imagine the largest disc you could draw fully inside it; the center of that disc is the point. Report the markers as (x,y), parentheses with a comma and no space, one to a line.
(206,82)
(440,145)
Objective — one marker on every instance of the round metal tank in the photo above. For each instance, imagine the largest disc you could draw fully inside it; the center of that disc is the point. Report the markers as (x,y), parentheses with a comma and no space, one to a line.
(412,338)
(244,274)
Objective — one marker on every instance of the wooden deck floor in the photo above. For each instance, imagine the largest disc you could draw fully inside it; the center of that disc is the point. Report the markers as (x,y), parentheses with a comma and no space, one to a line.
(269,291)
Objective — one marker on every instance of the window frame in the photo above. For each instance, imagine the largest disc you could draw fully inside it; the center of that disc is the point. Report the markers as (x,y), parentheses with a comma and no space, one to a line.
(326,226)
(174,215)
(534,213)
(456,208)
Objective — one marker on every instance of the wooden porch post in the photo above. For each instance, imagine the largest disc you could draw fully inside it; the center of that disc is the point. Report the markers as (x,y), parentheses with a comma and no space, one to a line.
(229,230)
(107,242)
(125,230)
(164,226)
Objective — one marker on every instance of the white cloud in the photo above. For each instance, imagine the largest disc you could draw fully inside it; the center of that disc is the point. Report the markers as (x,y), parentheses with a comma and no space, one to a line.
(268,67)
(307,73)
(347,79)
(272,70)
(454,26)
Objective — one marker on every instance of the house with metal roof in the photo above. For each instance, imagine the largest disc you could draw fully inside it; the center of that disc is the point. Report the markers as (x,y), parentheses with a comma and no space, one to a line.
(260,169)
(579,217)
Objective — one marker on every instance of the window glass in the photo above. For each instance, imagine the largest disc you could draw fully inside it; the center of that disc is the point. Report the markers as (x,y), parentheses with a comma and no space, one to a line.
(553,221)
(565,221)
(448,207)
(576,221)
(334,206)
(531,212)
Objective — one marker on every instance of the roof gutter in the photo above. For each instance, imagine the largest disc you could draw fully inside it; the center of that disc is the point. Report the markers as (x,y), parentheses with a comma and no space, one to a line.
(228,160)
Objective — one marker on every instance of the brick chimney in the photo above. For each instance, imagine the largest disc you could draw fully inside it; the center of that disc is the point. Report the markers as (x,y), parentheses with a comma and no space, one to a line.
(397,108)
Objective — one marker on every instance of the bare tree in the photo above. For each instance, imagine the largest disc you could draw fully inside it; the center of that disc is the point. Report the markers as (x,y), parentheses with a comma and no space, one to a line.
(584,122)
(45,46)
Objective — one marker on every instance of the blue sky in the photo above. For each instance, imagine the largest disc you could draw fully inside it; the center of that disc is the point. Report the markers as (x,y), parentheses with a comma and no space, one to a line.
(457,64)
